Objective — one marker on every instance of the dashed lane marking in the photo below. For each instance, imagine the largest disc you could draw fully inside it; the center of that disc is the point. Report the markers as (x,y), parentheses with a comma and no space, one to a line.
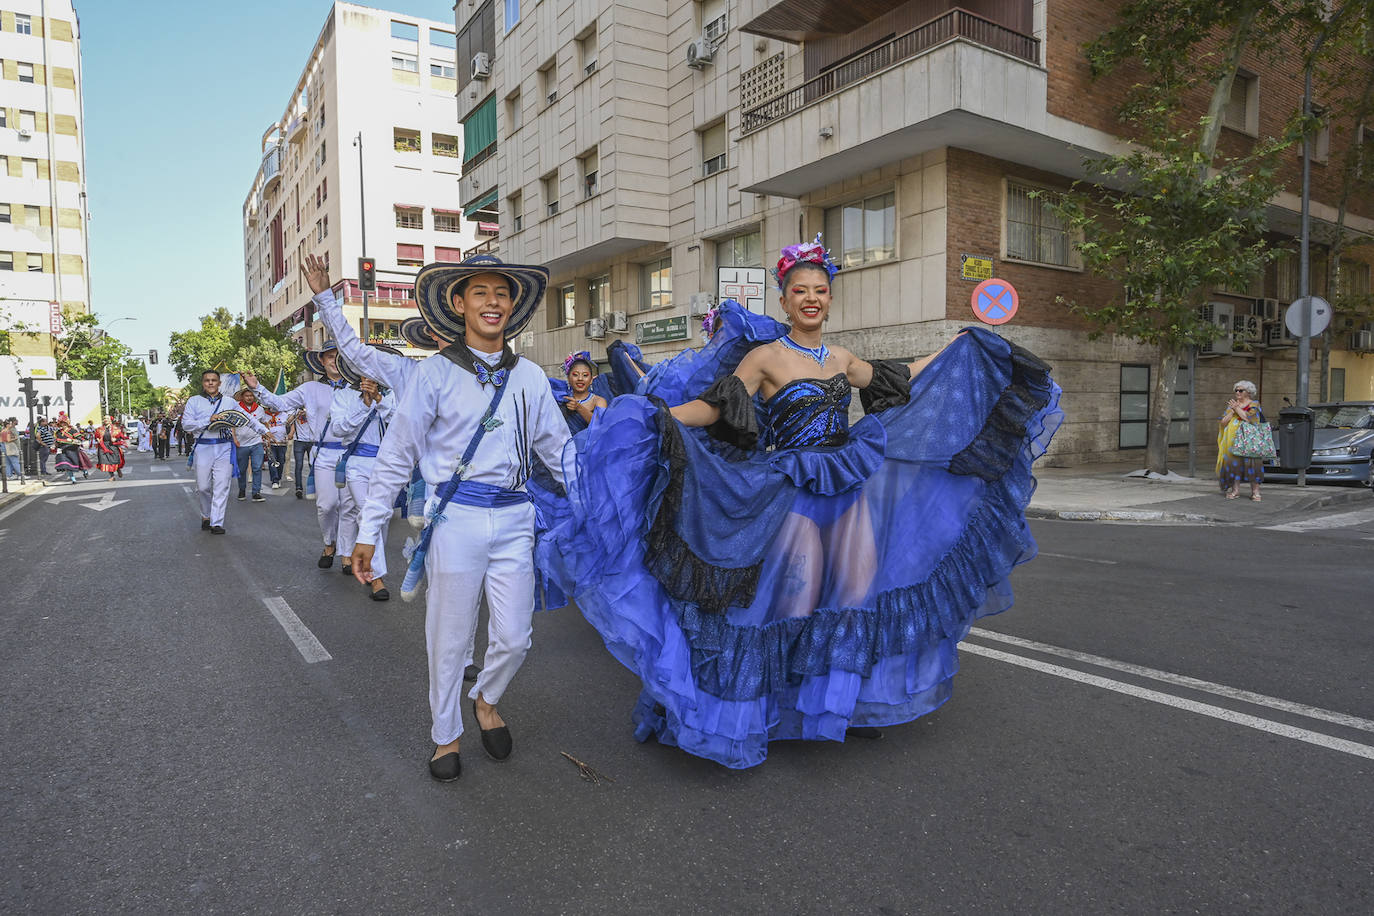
(1182,680)
(1202,709)
(310,648)
(1065,556)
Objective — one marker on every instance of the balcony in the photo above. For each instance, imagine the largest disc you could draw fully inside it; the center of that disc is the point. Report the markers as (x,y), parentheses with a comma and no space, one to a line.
(296,129)
(480,178)
(271,167)
(958,80)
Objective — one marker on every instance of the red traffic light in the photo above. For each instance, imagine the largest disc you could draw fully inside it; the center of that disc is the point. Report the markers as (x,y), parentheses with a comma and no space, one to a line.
(367,274)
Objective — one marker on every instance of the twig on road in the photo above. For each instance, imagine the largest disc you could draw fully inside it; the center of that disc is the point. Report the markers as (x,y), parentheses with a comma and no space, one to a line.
(586,771)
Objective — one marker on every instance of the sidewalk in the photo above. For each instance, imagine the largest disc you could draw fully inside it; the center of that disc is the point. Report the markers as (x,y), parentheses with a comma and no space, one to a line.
(32,485)
(1106,493)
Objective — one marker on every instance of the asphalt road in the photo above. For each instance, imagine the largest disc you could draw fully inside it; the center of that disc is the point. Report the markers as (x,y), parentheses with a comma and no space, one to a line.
(170,749)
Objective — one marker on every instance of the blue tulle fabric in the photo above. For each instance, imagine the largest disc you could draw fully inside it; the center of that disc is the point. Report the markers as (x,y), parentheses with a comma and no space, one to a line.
(797,590)
(688,374)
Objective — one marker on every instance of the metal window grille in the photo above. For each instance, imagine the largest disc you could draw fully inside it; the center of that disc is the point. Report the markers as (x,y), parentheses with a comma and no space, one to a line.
(762,82)
(1034,231)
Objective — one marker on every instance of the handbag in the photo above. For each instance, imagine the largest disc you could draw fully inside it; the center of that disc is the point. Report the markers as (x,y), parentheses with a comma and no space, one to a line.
(1253,440)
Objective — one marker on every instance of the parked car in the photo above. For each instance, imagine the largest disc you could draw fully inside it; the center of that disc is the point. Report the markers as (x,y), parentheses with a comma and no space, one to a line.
(1342,446)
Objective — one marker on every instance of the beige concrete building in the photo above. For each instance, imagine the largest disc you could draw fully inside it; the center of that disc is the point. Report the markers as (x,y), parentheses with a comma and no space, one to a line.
(43,213)
(390,80)
(657,155)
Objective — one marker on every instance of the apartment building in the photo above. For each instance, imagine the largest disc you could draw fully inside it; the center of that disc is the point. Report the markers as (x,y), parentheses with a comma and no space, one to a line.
(43,214)
(657,155)
(387,80)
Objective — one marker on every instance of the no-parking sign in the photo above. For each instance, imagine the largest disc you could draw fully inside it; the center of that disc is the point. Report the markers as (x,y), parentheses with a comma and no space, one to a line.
(995,301)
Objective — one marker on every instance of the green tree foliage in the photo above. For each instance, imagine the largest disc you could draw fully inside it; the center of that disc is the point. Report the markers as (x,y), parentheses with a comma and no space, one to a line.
(228,343)
(87,352)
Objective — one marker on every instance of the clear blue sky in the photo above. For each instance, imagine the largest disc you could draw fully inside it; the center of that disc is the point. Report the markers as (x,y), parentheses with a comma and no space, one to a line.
(177,97)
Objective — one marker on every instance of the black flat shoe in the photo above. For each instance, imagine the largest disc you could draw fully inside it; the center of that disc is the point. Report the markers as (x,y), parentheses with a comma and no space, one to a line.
(216,529)
(863,731)
(345,569)
(326,561)
(446,768)
(381,594)
(495,741)
(470,673)
(205,524)
(300,495)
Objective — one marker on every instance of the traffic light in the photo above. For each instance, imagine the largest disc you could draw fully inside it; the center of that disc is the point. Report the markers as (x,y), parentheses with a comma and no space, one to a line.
(152,357)
(67,390)
(367,275)
(26,386)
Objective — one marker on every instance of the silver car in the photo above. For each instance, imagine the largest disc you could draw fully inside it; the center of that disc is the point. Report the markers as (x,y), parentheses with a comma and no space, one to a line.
(1342,446)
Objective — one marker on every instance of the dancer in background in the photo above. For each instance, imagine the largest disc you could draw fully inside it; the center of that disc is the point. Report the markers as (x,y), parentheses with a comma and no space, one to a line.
(579,403)
(210,418)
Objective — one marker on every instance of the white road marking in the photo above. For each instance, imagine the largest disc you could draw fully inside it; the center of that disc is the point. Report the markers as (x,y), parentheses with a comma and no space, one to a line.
(1181,680)
(187,487)
(1203,709)
(1065,556)
(159,467)
(19,503)
(310,648)
(1339,520)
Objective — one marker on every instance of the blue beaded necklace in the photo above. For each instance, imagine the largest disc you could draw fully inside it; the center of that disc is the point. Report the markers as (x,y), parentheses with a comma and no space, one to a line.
(819,354)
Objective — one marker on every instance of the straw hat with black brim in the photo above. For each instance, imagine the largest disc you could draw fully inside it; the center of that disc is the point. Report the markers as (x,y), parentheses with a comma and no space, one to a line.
(436,283)
(350,373)
(313,360)
(418,335)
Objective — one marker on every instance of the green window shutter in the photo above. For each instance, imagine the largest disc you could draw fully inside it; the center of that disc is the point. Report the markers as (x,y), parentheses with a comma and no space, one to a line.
(479,130)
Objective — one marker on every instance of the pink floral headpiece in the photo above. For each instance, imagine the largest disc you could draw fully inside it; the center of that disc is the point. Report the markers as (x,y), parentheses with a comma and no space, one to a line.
(807,253)
(708,322)
(581,356)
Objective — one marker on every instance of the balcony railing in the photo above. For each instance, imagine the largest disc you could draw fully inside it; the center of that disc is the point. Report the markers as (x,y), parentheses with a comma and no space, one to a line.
(956,23)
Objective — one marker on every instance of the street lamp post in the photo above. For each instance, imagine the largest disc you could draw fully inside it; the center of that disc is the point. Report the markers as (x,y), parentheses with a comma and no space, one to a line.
(106,369)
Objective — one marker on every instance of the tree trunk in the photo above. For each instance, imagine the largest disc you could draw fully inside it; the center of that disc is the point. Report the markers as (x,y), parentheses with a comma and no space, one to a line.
(1162,409)
(1221,90)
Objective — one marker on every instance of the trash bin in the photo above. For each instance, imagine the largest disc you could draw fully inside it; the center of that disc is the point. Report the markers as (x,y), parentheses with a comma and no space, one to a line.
(1294,440)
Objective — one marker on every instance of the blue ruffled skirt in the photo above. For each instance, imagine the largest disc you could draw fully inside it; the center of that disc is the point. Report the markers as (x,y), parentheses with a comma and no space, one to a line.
(793,593)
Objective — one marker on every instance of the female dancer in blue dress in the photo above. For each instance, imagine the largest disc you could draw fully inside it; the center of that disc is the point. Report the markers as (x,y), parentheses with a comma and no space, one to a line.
(806,578)
(576,396)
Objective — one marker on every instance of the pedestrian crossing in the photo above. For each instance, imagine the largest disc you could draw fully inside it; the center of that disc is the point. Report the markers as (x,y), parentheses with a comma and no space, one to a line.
(1335,521)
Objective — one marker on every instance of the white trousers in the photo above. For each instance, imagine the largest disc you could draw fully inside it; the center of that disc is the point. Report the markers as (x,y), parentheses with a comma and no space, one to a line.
(329,499)
(472,548)
(214,473)
(350,516)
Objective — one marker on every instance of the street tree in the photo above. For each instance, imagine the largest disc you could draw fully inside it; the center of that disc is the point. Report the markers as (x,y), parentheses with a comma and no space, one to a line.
(1170,219)
(226,342)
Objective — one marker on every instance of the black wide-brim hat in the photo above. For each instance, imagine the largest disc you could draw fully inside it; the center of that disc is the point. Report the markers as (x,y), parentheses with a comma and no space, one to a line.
(435,283)
(418,335)
(350,372)
(313,361)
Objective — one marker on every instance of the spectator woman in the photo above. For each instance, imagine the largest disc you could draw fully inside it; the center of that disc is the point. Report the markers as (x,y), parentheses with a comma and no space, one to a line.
(9,445)
(1232,469)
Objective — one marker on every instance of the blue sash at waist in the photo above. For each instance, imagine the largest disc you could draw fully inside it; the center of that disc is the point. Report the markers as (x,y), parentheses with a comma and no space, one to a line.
(483,495)
(329,445)
(206,440)
(365,451)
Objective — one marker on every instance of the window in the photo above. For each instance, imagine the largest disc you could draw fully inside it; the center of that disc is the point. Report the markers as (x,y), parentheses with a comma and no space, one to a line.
(1321,137)
(448,254)
(445,145)
(479,130)
(548,80)
(406,31)
(714,20)
(33,216)
(6,260)
(28,120)
(863,232)
(512,17)
(550,183)
(516,207)
(35,263)
(515,114)
(1355,279)
(713,142)
(447,222)
(567,307)
(384,330)
(1134,407)
(1336,391)
(405,140)
(410,255)
(441,39)
(1241,111)
(589,174)
(406,62)
(29,168)
(4,116)
(321,229)
(658,284)
(25,73)
(1034,231)
(4,213)
(741,251)
(599,296)
(409,217)
(23,24)
(586,50)
(324,189)
(320,156)
(447,71)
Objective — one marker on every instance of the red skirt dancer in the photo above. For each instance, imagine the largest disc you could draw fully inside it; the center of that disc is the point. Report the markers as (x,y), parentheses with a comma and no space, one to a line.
(111,458)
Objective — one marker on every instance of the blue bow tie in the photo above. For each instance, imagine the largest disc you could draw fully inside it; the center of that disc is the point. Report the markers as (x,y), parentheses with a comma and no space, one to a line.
(496,377)
(338,383)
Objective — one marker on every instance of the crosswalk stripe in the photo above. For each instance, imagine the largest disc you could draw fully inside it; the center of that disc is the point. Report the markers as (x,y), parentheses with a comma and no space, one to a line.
(1339,520)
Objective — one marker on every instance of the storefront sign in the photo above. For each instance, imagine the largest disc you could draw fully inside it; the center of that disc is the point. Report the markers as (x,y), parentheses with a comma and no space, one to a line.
(661,329)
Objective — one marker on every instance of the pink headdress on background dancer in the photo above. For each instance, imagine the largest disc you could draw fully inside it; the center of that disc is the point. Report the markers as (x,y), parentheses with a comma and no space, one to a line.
(581,356)
(806,253)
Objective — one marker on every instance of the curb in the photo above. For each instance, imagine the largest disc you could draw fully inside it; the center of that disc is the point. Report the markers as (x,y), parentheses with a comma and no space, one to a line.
(1119,515)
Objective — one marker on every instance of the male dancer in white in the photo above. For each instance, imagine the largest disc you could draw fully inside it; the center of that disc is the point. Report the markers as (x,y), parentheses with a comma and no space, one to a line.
(212,453)
(349,418)
(485,535)
(314,399)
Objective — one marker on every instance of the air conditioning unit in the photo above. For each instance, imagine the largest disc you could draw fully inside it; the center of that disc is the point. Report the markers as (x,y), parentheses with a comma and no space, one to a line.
(595,328)
(1268,309)
(1277,336)
(481,65)
(1248,328)
(553,96)
(620,322)
(701,303)
(590,68)
(1362,340)
(700,52)
(1221,314)
(24,134)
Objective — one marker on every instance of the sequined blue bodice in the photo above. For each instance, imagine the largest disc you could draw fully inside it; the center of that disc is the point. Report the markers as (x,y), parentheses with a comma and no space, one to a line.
(808,412)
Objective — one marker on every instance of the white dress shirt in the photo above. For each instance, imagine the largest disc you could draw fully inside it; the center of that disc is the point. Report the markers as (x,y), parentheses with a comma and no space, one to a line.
(247,437)
(195,418)
(389,369)
(314,398)
(437,417)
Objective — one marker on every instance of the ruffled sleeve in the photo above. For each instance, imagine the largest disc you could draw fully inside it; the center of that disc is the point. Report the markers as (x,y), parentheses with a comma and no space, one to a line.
(738,424)
(890,387)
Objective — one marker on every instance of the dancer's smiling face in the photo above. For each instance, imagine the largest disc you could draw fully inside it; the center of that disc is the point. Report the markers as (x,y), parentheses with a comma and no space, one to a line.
(485,302)
(580,378)
(210,382)
(806,296)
